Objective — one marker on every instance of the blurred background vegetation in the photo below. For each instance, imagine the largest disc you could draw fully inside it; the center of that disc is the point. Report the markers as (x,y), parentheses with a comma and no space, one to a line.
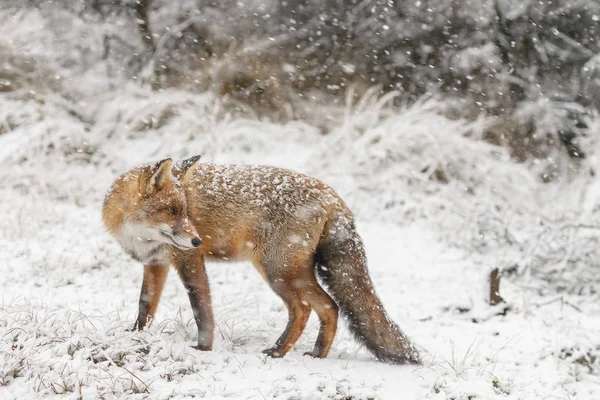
(533,65)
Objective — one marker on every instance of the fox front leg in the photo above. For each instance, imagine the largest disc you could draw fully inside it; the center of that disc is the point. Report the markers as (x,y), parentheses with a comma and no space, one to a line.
(193,276)
(152,286)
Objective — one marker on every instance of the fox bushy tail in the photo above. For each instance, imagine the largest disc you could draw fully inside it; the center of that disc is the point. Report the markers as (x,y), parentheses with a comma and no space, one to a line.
(342,266)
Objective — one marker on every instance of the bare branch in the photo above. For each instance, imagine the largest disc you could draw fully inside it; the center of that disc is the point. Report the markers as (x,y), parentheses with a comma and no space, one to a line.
(142,8)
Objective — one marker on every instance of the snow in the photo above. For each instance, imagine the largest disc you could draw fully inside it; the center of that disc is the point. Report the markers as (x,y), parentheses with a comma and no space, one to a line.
(67,328)
(70,293)
(437,206)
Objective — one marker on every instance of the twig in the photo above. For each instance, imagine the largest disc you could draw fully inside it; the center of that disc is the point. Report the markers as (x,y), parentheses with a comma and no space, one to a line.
(495,297)
(562,302)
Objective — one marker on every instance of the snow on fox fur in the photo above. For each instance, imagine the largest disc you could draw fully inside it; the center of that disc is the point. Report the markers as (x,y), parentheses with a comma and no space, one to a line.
(180,215)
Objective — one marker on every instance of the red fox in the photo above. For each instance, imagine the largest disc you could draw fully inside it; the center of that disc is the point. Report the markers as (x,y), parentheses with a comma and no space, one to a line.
(292,227)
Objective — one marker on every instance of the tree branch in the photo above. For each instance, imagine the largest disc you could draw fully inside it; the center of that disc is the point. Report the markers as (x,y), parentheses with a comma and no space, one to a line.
(142,8)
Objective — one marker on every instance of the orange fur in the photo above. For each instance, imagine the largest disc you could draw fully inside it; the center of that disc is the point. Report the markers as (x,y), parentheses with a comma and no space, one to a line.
(152,286)
(289,225)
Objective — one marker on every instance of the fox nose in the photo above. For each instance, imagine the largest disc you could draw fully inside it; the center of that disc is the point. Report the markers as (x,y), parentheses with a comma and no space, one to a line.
(196,242)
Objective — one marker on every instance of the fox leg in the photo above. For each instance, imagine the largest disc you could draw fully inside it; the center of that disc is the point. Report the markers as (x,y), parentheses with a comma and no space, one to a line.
(152,286)
(193,276)
(327,311)
(287,287)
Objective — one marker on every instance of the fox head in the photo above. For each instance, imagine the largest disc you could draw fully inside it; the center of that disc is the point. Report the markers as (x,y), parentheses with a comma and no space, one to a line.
(147,208)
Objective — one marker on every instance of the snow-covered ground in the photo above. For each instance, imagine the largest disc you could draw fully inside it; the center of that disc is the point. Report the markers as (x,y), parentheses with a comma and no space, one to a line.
(423,188)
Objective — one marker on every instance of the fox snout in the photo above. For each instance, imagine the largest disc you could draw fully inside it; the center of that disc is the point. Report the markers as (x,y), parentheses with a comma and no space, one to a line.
(182,240)
(182,235)
(195,241)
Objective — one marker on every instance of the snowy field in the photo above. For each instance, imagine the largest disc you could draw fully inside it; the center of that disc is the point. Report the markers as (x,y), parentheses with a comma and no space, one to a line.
(438,209)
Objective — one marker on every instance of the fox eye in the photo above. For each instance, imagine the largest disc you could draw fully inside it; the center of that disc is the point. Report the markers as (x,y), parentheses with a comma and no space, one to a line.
(173,211)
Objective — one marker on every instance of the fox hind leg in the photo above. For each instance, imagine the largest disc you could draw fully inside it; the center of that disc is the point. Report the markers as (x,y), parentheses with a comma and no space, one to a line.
(289,288)
(327,311)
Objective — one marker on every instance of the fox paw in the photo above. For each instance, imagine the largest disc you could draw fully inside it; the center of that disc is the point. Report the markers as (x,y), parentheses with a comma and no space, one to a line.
(136,327)
(202,347)
(273,352)
(314,354)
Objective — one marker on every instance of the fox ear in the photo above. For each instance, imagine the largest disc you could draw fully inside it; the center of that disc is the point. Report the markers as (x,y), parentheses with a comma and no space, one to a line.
(161,175)
(186,166)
